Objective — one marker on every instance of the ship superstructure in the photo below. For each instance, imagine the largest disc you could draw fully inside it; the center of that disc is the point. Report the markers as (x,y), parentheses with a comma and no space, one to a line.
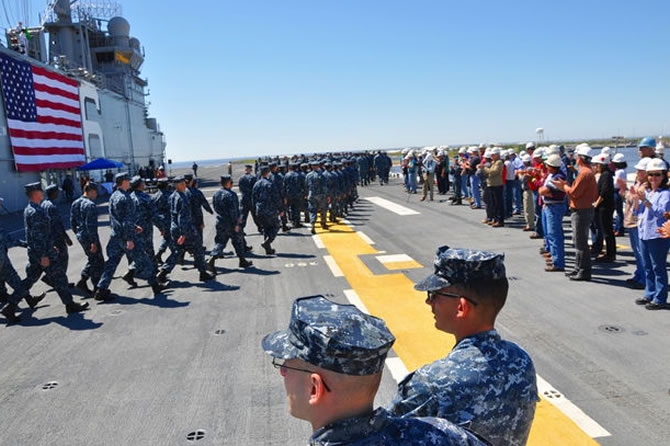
(91,44)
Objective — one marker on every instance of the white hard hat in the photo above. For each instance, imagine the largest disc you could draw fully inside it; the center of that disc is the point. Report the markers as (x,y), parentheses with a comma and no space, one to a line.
(462,150)
(552,150)
(404,151)
(487,153)
(642,164)
(606,150)
(495,151)
(525,158)
(530,145)
(659,148)
(538,153)
(618,158)
(473,149)
(522,153)
(601,158)
(482,146)
(584,150)
(554,160)
(656,164)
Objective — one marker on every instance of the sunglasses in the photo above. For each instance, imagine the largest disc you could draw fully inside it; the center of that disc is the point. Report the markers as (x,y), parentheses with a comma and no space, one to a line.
(432,295)
(654,174)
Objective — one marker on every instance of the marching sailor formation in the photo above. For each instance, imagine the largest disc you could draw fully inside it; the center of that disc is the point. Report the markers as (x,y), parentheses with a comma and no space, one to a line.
(279,194)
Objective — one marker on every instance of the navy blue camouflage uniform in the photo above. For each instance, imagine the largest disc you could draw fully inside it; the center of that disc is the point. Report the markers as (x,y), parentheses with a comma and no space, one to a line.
(266,202)
(342,339)
(60,238)
(317,190)
(485,382)
(198,201)
(182,223)
(147,215)
(8,274)
(39,237)
(295,192)
(227,210)
(123,222)
(84,224)
(162,220)
(246,185)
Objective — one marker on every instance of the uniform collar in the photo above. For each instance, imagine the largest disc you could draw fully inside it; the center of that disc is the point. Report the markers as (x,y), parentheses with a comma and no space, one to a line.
(349,430)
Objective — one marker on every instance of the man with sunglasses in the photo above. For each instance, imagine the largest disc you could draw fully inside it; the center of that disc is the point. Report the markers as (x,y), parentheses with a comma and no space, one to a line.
(485,383)
(331,358)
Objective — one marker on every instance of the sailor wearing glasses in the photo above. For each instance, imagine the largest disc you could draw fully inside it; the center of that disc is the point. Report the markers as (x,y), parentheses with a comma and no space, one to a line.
(331,358)
(485,383)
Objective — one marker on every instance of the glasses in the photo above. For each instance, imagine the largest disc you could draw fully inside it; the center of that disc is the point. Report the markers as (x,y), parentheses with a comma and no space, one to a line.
(433,294)
(277,364)
(655,174)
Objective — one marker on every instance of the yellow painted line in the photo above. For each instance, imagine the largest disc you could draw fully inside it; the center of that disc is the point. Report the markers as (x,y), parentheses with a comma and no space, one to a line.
(393,298)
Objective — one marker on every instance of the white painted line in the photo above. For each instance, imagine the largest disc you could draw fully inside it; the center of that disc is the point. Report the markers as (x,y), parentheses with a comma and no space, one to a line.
(318,242)
(585,423)
(354,299)
(381,252)
(346,222)
(365,238)
(394,258)
(391,206)
(330,261)
(397,368)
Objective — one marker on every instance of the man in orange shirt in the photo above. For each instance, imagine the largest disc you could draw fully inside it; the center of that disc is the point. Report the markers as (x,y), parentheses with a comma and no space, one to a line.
(581,196)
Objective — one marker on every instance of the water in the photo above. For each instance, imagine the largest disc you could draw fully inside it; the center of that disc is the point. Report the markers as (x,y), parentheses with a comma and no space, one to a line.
(208,163)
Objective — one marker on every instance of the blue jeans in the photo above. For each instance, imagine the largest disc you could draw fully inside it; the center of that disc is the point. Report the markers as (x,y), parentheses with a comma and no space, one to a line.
(553,217)
(518,199)
(634,238)
(465,188)
(654,254)
(476,193)
(411,173)
(539,230)
(508,199)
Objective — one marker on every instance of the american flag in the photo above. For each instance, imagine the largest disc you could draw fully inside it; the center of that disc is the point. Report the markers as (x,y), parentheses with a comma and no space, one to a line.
(43,116)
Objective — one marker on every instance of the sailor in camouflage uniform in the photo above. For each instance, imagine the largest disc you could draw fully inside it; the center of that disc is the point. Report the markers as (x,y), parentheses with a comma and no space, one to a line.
(42,253)
(146,216)
(162,220)
(246,185)
(198,202)
(8,275)
(123,240)
(228,224)
(332,358)
(485,382)
(58,235)
(317,191)
(295,192)
(84,224)
(184,234)
(277,180)
(266,201)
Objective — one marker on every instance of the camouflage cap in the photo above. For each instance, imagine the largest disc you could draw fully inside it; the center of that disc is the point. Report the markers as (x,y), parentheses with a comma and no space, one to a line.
(30,187)
(332,336)
(51,187)
(188,176)
(136,181)
(454,266)
(121,177)
(178,179)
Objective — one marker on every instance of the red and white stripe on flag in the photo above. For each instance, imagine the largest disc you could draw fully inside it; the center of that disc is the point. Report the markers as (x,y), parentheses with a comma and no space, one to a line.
(43,116)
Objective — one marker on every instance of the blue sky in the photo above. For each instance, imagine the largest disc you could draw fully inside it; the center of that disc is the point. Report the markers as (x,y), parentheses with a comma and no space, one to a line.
(261,77)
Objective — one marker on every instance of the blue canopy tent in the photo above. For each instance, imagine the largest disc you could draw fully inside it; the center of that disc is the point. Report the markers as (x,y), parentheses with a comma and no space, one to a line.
(101,163)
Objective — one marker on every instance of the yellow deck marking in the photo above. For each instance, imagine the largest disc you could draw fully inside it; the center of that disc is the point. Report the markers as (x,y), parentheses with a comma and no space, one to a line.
(393,298)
